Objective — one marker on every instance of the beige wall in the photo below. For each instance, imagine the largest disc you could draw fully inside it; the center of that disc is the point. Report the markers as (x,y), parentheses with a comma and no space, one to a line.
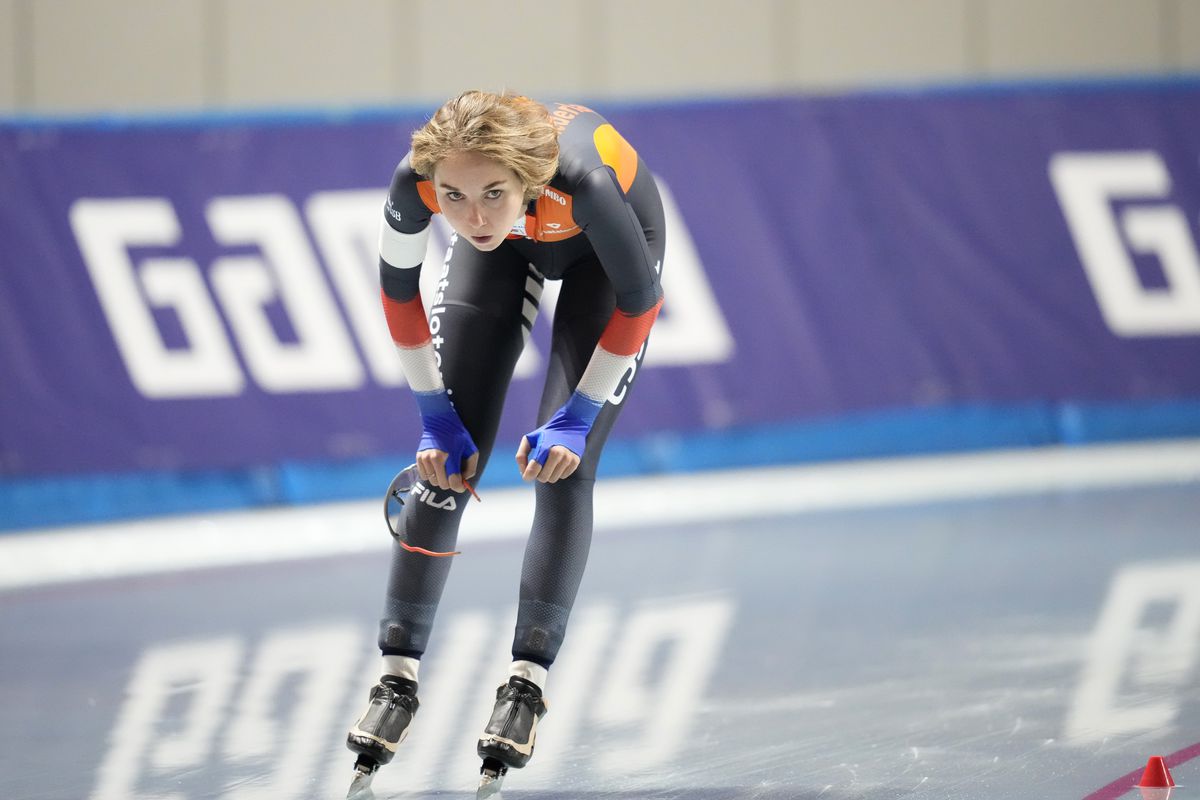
(845,43)
(1183,40)
(306,52)
(526,45)
(1034,37)
(8,55)
(139,55)
(94,56)
(672,47)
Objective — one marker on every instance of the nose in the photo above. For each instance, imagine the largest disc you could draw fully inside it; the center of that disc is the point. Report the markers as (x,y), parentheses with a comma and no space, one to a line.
(475,216)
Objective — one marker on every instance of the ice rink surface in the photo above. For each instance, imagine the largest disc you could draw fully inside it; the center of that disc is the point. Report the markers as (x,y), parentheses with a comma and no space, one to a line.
(1041,641)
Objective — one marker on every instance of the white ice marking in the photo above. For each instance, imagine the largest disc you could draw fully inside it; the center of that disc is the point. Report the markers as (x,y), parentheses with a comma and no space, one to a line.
(92,552)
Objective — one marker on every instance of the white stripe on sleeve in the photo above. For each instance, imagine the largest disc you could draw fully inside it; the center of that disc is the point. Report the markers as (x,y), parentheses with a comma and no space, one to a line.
(420,368)
(603,374)
(402,250)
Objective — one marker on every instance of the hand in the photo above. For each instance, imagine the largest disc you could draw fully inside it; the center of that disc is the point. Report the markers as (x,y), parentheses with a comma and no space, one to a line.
(553,451)
(446,455)
(560,463)
(431,466)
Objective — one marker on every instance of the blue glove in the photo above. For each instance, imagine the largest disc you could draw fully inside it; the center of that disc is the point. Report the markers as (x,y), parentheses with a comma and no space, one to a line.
(568,427)
(441,429)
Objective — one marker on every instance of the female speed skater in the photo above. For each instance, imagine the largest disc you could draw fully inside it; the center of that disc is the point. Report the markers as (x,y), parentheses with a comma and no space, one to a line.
(532,192)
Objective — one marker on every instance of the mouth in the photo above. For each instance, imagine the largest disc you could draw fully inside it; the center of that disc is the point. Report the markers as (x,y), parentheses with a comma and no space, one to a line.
(481,239)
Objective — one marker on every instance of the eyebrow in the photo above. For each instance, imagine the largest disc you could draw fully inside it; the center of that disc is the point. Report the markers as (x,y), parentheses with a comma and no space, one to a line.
(487,188)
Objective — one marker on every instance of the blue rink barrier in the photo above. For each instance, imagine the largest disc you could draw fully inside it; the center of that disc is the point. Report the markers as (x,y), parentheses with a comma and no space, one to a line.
(42,502)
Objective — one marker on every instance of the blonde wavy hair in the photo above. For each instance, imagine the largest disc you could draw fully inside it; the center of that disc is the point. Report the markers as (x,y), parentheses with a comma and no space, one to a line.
(511,129)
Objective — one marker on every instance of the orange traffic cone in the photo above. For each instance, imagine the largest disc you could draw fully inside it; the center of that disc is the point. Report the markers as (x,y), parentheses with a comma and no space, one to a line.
(1156,775)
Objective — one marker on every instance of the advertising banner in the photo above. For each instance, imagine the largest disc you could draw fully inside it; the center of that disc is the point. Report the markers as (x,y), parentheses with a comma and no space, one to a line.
(203,295)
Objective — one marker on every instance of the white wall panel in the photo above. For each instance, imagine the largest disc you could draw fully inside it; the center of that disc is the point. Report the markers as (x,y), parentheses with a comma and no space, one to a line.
(839,43)
(116,55)
(535,47)
(693,47)
(9,55)
(306,52)
(1070,37)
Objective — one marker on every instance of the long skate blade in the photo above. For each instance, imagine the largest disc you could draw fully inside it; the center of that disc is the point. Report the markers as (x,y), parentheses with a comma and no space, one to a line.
(360,787)
(490,784)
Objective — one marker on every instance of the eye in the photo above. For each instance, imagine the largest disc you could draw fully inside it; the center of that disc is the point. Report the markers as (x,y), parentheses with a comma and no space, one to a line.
(454,195)
(494,194)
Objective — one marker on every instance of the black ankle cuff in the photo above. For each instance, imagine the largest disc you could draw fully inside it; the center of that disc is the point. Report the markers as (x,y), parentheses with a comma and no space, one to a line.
(400,685)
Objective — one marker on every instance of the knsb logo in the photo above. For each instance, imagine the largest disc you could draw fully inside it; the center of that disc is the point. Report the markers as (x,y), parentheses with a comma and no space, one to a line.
(269,299)
(1105,198)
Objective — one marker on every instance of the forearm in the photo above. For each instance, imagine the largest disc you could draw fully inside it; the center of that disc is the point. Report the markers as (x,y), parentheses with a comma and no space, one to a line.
(615,354)
(442,431)
(409,328)
(400,257)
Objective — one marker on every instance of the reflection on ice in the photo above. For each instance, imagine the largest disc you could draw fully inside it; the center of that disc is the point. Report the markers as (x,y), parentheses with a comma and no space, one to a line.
(272,707)
(1143,650)
(1155,793)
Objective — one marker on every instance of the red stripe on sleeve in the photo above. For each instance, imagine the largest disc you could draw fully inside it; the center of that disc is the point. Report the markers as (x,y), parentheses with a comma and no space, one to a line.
(406,321)
(624,334)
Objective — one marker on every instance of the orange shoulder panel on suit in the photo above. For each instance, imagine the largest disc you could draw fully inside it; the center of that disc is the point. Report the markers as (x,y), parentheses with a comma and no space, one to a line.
(428,196)
(616,153)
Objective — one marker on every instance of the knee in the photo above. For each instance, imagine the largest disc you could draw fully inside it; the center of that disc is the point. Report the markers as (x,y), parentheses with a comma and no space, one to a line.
(425,497)
(576,487)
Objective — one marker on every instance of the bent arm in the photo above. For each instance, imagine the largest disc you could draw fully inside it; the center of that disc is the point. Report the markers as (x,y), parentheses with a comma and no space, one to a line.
(446,446)
(613,229)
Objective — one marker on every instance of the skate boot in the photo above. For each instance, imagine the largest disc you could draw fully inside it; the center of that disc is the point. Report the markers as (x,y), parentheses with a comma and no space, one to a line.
(507,741)
(382,727)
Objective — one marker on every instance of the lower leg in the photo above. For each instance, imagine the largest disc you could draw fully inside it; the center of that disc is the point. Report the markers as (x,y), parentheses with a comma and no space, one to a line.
(555,558)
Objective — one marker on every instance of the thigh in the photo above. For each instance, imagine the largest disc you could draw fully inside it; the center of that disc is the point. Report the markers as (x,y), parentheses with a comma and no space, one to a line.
(477,321)
(586,302)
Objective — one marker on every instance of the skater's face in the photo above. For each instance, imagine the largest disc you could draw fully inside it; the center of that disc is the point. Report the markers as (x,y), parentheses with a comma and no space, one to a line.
(480,198)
